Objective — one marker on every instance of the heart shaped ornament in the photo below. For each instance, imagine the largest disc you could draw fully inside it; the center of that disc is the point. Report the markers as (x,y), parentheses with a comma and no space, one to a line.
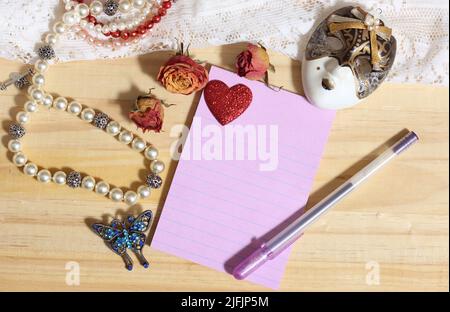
(227,104)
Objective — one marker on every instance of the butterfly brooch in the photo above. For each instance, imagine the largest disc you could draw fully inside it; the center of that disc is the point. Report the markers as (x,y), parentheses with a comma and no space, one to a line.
(120,236)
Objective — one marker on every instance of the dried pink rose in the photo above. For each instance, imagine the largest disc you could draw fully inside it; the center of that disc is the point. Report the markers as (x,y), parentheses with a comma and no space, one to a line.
(253,63)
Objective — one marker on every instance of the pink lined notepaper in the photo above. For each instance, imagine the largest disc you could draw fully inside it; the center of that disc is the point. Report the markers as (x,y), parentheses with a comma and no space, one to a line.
(222,203)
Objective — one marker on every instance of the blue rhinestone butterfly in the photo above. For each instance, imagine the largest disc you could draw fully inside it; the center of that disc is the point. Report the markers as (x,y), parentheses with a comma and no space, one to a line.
(121,236)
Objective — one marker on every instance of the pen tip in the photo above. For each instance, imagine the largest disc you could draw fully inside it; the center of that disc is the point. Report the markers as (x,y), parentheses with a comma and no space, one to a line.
(415,135)
(238,275)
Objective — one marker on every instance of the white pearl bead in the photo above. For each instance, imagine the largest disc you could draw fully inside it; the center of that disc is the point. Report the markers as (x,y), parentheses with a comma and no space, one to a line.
(82,9)
(77,18)
(138,4)
(41,66)
(88,114)
(125,137)
(31,89)
(113,26)
(90,26)
(130,198)
(70,18)
(83,23)
(151,153)
(99,28)
(88,183)
(74,108)
(157,166)
(31,106)
(121,26)
(96,7)
(60,178)
(144,191)
(47,100)
(44,176)
(124,6)
(113,128)
(59,28)
(105,29)
(39,80)
(102,188)
(68,6)
(60,103)
(52,39)
(30,169)
(20,159)
(22,117)
(116,194)
(37,95)
(14,146)
(138,144)
(130,25)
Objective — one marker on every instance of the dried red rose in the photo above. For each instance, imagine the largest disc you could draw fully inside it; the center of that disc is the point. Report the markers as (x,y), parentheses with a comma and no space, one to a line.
(183,75)
(149,113)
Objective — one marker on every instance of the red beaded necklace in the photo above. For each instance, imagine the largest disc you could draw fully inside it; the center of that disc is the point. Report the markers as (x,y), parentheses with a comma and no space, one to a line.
(118,38)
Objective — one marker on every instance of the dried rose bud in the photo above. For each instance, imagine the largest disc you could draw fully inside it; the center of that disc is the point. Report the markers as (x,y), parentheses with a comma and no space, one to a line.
(149,113)
(253,63)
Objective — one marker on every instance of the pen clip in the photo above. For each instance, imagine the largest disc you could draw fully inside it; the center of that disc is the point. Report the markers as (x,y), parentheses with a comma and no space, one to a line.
(20,80)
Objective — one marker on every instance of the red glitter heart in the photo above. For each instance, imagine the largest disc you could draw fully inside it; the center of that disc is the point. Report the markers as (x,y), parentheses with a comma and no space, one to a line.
(227,104)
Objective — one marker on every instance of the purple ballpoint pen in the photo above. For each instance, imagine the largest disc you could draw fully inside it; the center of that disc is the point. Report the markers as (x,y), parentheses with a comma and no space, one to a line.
(292,232)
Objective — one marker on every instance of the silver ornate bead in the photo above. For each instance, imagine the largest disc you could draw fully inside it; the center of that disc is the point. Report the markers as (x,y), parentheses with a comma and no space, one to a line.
(154,181)
(101,120)
(22,83)
(16,131)
(111,7)
(73,179)
(46,52)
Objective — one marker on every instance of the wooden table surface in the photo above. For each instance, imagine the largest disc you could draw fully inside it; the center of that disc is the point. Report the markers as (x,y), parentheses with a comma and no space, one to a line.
(390,235)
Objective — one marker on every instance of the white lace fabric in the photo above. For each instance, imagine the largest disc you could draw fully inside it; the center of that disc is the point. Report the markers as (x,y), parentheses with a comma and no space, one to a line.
(420,27)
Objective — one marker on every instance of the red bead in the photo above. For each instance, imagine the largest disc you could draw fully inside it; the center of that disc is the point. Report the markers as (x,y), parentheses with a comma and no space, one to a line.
(167,5)
(133,34)
(92,19)
(162,12)
(116,34)
(125,35)
(141,30)
(107,34)
(156,19)
(149,25)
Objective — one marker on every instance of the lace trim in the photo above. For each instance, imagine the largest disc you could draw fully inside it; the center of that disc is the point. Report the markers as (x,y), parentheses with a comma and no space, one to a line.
(421,30)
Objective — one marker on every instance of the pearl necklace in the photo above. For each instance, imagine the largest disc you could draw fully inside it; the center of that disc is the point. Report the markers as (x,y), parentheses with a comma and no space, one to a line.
(39,97)
(124,23)
(122,31)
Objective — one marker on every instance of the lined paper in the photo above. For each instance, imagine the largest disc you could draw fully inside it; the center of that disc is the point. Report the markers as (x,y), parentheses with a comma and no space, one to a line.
(219,209)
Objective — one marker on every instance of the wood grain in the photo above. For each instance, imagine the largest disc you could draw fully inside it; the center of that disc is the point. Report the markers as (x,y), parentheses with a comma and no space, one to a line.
(397,221)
